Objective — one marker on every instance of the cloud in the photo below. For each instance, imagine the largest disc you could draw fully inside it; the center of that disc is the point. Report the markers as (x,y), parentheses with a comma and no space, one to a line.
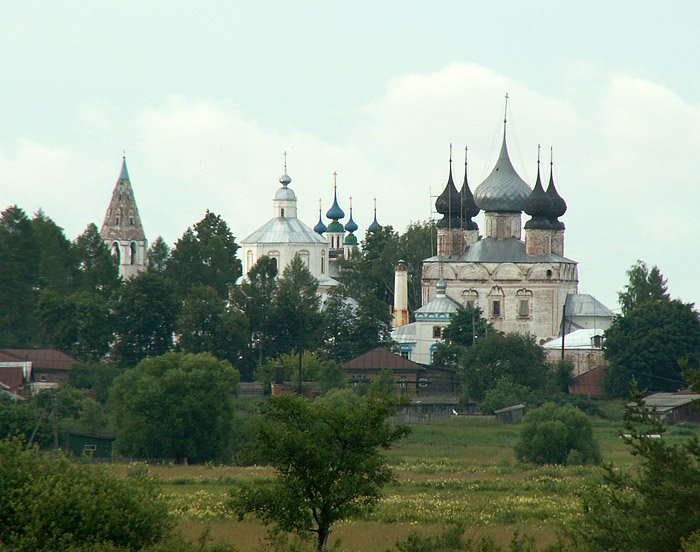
(624,151)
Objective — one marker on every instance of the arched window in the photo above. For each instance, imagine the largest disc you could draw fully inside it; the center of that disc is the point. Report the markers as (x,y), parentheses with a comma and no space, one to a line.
(275,257)
(524,298)
(323,261)
(132,253)
(496,302)
(304,255)
(249,260)
(115,251)
(470,299)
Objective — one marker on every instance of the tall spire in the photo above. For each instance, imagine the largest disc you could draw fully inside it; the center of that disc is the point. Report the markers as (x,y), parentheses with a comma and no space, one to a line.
(448,203)
(468,206)
(124,174)
(558,204)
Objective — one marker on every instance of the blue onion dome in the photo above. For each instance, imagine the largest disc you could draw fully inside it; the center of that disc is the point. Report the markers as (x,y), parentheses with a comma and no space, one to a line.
(350,239)
(335,227)
(320,228)
(351,226)
(538,206)
(375,225)
(503,190)
(558,203)
(335,212)
(468,205)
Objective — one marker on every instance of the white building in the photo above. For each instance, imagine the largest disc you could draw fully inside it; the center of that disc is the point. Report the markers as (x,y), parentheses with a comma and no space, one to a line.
(284,236)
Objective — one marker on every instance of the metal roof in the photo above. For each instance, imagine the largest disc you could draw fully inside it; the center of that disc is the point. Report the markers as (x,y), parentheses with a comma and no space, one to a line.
(284,230)
(583,304)
(664,401)
(405,334)
(578,339)
(491,250)
(503,190)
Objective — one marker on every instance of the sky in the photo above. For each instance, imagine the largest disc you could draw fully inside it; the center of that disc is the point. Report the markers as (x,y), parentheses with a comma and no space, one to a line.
(204,98)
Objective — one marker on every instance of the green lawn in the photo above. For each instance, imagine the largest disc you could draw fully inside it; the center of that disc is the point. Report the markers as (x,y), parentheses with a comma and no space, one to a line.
(455,470)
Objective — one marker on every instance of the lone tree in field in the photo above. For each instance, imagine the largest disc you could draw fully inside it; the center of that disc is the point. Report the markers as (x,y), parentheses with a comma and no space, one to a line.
(328,459)
(554,434)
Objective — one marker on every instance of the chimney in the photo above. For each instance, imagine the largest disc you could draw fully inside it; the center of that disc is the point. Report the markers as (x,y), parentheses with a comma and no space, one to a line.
(400,317)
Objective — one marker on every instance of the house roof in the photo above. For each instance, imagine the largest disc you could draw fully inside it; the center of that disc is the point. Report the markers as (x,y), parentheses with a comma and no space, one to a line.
(669,401)
(583,304)
(379,358)
(4,357)
(578,339)
(12,377)
(51,359)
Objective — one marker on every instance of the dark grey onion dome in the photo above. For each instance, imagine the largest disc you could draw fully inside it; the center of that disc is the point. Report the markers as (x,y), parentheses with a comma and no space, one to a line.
(448,204)
(503,190)
(558,203)
(469,207)
(285,180)
(538,206)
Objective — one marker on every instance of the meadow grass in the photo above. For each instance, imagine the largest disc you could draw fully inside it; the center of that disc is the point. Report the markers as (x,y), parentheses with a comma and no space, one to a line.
(455,470)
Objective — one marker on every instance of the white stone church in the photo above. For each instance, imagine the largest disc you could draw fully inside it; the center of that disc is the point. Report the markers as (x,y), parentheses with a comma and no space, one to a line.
(521,285)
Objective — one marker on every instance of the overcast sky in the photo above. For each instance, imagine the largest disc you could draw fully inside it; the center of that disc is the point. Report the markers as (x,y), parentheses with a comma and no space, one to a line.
(205,97)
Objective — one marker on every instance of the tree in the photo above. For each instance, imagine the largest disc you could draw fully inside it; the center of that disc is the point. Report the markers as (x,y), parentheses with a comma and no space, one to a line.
(647,343)
(418,242)
(205,325)
(205,255)
(329,373)
(97,268)
(295,323)
(327,455)
(554,434)
(513,356)
(51,503)
(662,493)
(175,406)
(57,266)
(504,393)
(80,324)
(145,314)
(253,298)
(96,376)
(158,255)
(19,278)
(353,325)
(644,285)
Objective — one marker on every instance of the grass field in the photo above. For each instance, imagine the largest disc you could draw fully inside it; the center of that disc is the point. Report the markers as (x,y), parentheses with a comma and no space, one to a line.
(454,470)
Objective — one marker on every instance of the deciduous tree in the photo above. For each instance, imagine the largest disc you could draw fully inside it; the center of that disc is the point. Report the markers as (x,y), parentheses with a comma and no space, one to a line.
(327,454)
(175,406)
(644,285)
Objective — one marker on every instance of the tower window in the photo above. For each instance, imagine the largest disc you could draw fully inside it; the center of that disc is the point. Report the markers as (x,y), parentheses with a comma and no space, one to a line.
(549,273)
(323,263)
(523,308)
(437,332)
(496,308)
(117,221)
(131,221)
(132,251)
(282,212)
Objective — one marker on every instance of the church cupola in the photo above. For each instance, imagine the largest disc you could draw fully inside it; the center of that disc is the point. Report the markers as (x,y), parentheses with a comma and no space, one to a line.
(122,230)
(538,230)
(285,202)
(320,228)
(450,240)
(350,241)
(558,208)
(469,209)
(335,231)
(502,195)
(375,226)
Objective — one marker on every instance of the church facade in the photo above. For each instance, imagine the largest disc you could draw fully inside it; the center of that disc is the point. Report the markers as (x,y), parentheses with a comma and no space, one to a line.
(517,275)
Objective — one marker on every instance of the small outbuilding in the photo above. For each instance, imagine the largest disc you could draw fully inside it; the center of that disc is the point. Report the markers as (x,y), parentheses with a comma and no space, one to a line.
(510,414)
(81,444)
(672,408)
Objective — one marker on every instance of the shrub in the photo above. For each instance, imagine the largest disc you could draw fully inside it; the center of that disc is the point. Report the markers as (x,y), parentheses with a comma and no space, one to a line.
(551,433)
(50,503)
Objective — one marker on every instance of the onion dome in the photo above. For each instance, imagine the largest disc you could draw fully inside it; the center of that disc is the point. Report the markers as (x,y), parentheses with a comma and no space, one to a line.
(375,225)
(503,190)
(335,213)
(351,226)
(448,203)
(320,228)
(468,205)
(350,239)
(558,207)
(538,206)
